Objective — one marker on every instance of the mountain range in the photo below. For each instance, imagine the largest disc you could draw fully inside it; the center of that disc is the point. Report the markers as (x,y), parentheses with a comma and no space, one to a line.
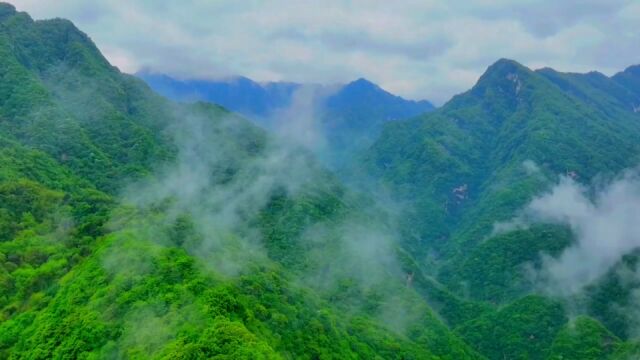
(260,100)
(346,117)
(498,226)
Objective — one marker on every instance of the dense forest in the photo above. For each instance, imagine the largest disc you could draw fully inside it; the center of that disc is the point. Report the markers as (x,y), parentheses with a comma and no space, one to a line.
(132,226)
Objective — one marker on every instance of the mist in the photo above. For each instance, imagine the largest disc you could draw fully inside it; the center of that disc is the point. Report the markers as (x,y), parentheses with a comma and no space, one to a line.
(222,184)
(226,171)
(604,220)
(209,196)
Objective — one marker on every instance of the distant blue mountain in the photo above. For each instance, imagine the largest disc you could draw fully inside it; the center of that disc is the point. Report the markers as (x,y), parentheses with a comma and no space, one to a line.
(351,115)
(363,99)
(238,94)
(362,104)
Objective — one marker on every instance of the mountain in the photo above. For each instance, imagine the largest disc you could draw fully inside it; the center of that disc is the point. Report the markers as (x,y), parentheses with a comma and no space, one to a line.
(349,117)
(629,79)
(256,100)
(561,122)
(135,227)
(362,99)
(238,94)
(353,116)
(132,226)
(479,160)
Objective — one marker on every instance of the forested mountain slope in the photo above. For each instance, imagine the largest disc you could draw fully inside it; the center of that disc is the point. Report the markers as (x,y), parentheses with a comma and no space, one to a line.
(457,160)
(474,165)
(133,227)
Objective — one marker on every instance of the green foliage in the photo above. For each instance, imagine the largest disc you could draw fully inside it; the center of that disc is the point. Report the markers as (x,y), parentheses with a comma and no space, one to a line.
(481,139)
(138,299)
(584,338)
(481,158)
(627,351)
(496,270)
(612,298)
(284,220)
(524,329)
(86,274)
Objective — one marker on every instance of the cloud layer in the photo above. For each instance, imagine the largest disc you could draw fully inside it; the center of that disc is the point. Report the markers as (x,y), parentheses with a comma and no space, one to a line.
(604,222)
(419,49)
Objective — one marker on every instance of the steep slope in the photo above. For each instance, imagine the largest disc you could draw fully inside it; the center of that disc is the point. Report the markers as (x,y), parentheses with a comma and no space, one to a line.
(481,158)
(45,61)
(464,163)
(363,102)
(132,227)
(630,79)
(354,115)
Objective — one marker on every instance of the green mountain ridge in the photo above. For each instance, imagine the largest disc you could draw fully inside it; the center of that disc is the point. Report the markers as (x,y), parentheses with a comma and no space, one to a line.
(483,156)
(481,138)
(87,273)
(134,227)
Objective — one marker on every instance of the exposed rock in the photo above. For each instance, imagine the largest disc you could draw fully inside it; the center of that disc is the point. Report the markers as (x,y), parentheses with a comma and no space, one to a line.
(516,80)
(410,279)
(460,192)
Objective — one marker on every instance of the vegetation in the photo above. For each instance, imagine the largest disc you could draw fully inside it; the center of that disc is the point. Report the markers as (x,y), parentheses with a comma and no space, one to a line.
(89,270)
(134,227)
(479,160)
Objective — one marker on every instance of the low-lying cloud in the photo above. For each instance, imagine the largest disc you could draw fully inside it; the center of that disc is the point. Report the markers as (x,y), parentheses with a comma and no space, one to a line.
(603,219)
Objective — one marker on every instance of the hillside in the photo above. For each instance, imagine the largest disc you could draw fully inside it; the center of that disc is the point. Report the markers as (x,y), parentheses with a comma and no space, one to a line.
(134,227)
(479,160)
(476,144)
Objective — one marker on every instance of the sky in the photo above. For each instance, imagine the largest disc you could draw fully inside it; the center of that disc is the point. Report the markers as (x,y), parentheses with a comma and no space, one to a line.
(419,49)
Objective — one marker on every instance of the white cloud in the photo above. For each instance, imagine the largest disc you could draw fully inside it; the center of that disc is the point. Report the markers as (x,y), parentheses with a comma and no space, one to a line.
(604,222)
(530,167)
(419,49)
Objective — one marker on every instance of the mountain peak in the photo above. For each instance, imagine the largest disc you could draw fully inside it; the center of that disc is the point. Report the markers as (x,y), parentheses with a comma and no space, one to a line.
(361,83)
(6,10)
(505,74)
(634,70)
(506,66)
(629,78)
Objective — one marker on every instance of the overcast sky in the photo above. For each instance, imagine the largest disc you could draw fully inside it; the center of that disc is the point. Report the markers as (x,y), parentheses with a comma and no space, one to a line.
(418,49)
